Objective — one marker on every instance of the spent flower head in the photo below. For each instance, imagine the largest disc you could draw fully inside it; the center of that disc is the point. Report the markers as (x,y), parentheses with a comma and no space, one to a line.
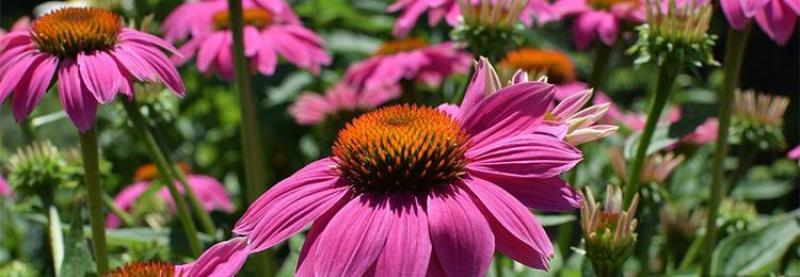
(758,120)
(676,28)
(608,230)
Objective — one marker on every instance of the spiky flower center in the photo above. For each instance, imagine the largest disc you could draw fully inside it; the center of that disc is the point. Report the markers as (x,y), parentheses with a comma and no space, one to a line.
(402,45)
(69,31)
(401,149)
(685,24)
(144,269)
(607,4)
(256,17)
(555,65)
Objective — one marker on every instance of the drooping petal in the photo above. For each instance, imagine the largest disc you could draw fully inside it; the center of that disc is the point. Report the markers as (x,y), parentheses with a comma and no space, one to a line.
(511,110)
(518,234)
(734,13)
(167,73)
(552,194)
(291,205)
(526,156)
(223,259)
(308,258)
(77,101)
(778,21)
(15,72)
(354,238)
(409,237)
(462,239)
(33,86)
(100,74)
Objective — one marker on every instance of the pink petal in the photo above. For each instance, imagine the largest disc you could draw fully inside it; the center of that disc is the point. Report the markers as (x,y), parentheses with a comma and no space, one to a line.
(267,59)
(518,234)
(734,13)
(511,110)
(525,156)
(462,239)
(15,72)
(33,85)
(354,238)
(209,50)
(167,72)
(476,90)
(223,259)
(252,41)
(552,194)
(750,7)
(79,104)
(410,236)
(572,104)
(778,21)
(135,64)
(100,74)
(306,262)
(125,198)
(291,205)
(408,18)
(146,39)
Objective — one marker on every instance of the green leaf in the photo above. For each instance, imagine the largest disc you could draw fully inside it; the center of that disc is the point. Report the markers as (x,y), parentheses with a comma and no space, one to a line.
(755,252)
(554,220)
(661,140)
(762,189)
(77,258)
(56,237)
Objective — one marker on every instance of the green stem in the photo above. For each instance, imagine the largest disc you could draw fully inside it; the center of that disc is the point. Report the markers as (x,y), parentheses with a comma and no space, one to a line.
(691,253)
(668,71)
(735,47)
(746,155)
(565,230)
(126,218)
(140,127)
(28,132)
(91,166)
(498,266)
(602,55)
(194,202)
(252,151)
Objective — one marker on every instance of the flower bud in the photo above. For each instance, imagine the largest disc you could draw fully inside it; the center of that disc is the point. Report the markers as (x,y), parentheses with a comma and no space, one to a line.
(758,120)
(608,231)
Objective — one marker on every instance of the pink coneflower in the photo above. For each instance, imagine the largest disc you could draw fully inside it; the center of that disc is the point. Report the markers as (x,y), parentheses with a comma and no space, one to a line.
(444,191)
(411,10)
(555,65)
(210,192)
(222,259)
(794,154)
(630,120)
(409,59)
(271,28)
(313,108)
(93,56)
(777,18)
(703,134)
(599,19)
(5,189)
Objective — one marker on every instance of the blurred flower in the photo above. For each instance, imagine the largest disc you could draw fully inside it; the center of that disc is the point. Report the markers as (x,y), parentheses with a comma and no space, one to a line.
(450,10)
(630,120)
(404,179)
(608,231)
(777,18)
(210,192)
(569,121)
(223,259)
(151,268)
(553,64)
(656,169)
(490,28)
(312,108)
(676,32)
(599,19)
(15,268)
(270,28)
(794,154)
(758,120)
(703,134)
(37,168)
(22,24)
(681,226)
(94,56)
(5,189)
(736,216)
(409,59)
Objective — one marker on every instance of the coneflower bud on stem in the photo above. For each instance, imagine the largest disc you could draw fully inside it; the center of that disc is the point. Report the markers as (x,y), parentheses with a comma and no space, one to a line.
(608,231)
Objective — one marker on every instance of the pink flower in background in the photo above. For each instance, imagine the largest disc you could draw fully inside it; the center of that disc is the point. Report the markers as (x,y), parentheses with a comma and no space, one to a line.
(412,10)
(633,121)
(271,29)
(557,66)
(210,192)
(312,108)
(484,168)
(22,24)
(794,154)
(408,59)
(92,67)
(599,19)
(223,259)
(703,134)
(777,18)
(5,189)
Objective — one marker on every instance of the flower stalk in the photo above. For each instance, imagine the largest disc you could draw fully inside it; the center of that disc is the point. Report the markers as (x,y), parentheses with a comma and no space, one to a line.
(91,166)
(735,48)
(602,54)
(140,127)
(254,164)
